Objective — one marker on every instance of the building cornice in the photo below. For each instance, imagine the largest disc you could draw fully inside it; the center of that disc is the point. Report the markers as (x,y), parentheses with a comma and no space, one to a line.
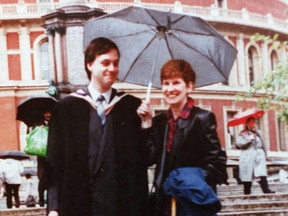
(211,14)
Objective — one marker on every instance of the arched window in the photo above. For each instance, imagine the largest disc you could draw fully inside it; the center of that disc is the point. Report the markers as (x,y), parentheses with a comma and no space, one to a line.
(274,61)
(220,3)
(44,61)
(253,65)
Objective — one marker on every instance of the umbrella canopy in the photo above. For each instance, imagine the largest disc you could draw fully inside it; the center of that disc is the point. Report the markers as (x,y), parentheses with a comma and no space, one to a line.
(14,154)
(30,110)
(149,38)
(242,117)
(30,170)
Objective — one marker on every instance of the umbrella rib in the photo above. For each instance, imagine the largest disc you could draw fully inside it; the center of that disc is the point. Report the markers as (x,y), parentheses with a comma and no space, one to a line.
(173,22)
(214,33)
(152,17)
(211,60)
(132,34)
(168,46)
(136,59)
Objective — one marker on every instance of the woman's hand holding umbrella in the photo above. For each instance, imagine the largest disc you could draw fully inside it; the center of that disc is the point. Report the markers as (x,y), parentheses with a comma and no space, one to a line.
(145,113)
(251,137)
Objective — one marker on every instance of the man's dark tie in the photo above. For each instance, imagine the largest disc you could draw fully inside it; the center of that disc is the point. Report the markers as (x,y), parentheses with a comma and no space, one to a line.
(101,108)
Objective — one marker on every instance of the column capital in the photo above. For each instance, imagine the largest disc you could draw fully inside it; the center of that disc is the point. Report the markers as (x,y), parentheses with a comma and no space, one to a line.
(23,31)
(55,27)
(3,32)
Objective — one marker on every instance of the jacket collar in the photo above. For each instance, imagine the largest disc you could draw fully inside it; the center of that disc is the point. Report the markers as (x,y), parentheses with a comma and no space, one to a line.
(84,94)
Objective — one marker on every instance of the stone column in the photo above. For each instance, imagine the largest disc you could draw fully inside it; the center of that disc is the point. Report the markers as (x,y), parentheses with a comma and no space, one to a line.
(51,51)
(59,47)
(233,78)
(25,54)
(265,60)
(4,75)
(65,28)
(241,60)
(75,55)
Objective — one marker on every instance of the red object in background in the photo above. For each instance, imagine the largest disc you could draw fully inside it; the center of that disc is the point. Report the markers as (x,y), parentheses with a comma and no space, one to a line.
(241,118)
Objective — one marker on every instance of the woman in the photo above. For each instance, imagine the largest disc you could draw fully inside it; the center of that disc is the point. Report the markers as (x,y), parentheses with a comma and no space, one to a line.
(184,136)
(252,161)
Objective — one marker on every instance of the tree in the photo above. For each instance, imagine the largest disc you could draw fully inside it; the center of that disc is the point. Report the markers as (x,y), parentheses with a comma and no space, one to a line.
(272,89)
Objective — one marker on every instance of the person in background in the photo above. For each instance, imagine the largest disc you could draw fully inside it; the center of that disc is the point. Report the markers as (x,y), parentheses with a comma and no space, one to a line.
(97,165)
(41,165)
(31,190)
(11,171)
(184,136)
(252,161)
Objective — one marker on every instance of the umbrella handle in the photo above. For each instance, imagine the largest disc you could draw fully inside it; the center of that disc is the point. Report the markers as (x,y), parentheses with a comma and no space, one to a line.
(147,100)
(150,82)
(173,206)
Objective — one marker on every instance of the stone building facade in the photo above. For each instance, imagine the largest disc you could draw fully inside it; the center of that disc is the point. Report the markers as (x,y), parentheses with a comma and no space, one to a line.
(41,40)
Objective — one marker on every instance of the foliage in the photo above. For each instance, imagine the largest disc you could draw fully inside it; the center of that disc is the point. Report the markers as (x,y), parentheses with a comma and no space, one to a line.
(272,89)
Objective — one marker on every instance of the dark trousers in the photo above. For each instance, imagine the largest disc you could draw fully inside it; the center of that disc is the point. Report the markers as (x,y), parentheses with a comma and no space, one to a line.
(42,176)
(247,187)
(41,190)
(12,190)
(263,184)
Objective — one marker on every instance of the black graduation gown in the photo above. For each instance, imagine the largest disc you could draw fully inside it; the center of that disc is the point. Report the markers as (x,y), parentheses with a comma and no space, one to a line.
(106,177)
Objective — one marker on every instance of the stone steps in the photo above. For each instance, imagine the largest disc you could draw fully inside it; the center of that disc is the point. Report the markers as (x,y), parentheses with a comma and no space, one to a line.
(227,190)
(256,213)
(41,211)
(234,203)
(253,198)
(255,204)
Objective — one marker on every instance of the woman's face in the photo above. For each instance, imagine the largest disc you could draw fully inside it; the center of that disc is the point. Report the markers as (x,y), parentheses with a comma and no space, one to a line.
(251,124)
(175,91)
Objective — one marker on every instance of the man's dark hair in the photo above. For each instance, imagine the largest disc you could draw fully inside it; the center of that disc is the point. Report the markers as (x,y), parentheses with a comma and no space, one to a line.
(98,46)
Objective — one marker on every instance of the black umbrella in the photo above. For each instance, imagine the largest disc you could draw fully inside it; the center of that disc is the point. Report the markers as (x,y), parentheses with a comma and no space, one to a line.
(30,110)
(30,170)
(14,154)
(148,38)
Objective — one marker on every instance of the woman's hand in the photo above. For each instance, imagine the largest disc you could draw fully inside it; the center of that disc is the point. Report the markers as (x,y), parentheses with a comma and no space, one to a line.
(251,137)
(144,111)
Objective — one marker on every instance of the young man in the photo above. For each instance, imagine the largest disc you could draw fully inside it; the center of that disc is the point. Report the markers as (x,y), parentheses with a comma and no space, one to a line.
(97,164)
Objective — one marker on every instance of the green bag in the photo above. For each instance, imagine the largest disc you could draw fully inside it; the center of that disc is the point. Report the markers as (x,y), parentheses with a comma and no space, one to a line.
(36,141)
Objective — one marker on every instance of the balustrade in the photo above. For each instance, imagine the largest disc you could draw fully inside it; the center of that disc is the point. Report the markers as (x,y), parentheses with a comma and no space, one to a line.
(244,17)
